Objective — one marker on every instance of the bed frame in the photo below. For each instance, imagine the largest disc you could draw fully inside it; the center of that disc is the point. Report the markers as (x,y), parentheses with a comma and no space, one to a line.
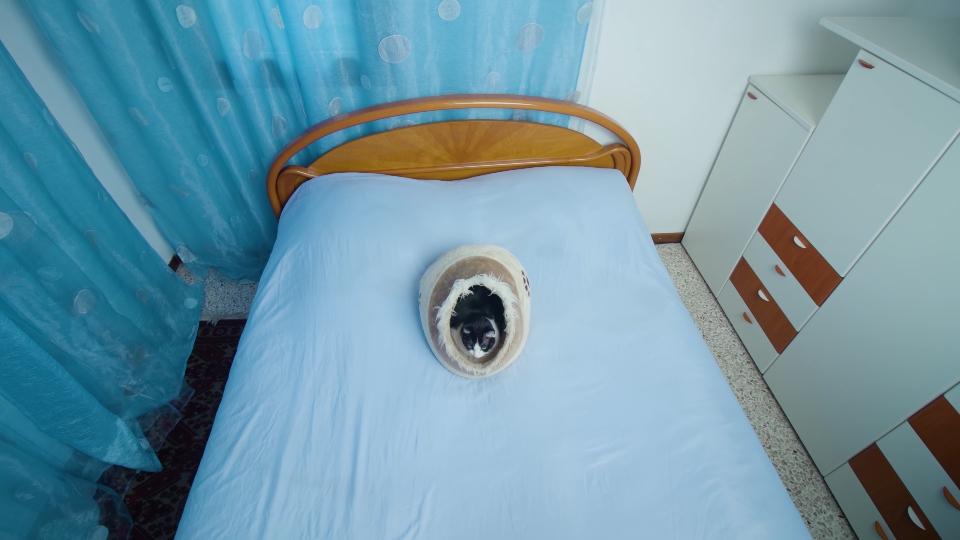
(457,149)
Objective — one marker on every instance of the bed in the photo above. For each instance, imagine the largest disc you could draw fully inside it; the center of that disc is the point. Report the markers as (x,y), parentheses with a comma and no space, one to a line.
(338,422)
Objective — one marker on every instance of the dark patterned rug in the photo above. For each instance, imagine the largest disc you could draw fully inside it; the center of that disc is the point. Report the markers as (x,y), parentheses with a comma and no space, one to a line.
(156,500)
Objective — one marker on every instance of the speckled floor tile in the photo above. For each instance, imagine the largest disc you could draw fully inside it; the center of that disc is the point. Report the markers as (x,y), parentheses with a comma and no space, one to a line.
(224,298)
(800,476)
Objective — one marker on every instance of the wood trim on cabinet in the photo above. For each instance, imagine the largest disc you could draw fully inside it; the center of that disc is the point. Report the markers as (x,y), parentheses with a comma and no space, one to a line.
(766,312)
(890,495)
(667,237)
(814,273)
(938,426)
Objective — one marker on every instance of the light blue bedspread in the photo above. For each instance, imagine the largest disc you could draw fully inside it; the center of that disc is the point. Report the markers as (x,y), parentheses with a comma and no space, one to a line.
(614,422)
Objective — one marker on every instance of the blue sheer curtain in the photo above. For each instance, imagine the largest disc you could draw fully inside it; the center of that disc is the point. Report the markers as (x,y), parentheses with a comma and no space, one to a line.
(197,97)
(95,329)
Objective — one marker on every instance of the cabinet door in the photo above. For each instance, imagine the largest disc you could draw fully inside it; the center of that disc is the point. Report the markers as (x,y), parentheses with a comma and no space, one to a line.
(886,342)
(891,497)
(756,156)
(924,477)
(747,327)
(777,278)
(860,511)
(880,135)
(758,298)
(938,426)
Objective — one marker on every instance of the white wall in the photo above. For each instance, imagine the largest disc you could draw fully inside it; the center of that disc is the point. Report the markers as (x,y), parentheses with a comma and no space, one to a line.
(672,73)
(29,49)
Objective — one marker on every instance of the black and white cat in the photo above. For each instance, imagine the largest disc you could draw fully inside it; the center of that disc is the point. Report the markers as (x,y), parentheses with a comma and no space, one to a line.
(478,321)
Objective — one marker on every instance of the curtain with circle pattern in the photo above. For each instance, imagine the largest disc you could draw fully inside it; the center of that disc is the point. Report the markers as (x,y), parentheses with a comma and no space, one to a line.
(198,96)
(95,329)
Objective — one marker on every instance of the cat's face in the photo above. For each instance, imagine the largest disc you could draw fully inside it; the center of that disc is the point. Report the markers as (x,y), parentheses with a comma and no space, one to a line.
(479,335)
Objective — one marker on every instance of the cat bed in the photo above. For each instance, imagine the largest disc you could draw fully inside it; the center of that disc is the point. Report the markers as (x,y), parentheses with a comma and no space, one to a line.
(449,279)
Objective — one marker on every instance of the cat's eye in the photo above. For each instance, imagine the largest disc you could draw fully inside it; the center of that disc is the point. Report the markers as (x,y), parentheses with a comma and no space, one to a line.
(466,330)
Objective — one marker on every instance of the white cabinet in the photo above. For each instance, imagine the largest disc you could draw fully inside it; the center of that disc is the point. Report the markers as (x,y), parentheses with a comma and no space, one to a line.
(887,341)
(756,156)
(853,277)
(882,132)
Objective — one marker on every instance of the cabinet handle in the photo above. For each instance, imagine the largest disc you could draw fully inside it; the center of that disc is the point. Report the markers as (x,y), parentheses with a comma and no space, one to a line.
(915,518)
(779,270)
(876,525)
(747,318)
(763,296)
(950,498)
(796,240)
(865,64)
(751,96)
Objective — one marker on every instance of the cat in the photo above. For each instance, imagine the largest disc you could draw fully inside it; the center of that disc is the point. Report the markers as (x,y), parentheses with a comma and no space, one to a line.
(478,321)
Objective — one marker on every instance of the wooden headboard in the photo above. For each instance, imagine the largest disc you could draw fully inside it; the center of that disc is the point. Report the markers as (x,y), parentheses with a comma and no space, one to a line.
(456,149)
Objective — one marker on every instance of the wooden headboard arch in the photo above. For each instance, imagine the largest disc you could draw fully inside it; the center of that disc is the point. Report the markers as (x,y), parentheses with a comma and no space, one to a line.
(455,149)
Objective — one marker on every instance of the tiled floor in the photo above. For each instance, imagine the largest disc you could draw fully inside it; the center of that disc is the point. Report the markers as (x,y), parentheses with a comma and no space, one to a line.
(226,299)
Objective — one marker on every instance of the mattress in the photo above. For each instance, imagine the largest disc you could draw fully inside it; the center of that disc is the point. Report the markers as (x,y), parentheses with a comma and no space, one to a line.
(615,421)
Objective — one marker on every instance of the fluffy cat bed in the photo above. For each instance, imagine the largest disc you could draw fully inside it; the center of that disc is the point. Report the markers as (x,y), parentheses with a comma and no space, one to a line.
(449,279)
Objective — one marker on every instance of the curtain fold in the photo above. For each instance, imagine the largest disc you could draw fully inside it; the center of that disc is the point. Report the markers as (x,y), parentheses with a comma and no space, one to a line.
(198,96)
(95,329)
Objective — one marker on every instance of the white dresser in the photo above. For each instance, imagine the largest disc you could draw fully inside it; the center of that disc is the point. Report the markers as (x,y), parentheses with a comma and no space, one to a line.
(839,265)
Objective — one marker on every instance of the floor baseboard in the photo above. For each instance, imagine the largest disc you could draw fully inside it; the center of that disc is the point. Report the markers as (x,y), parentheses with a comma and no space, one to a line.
(667,237)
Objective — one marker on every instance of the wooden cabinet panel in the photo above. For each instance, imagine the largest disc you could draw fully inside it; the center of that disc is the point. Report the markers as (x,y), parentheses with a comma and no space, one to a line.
(756,156)
(877,139)
(938,425)
(744,322)
(856,504)
(924,477)
(769,316)
(886,341)
(777,277)
(813,272)
(890,496)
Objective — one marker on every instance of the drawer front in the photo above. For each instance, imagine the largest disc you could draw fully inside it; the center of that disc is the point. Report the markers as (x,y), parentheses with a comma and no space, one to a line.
(929,484)
(779,280)
(891,496)
(758,152)
(857,506)
(761,303)
(938,426)
(752,336)
(811,270)
(879,136)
